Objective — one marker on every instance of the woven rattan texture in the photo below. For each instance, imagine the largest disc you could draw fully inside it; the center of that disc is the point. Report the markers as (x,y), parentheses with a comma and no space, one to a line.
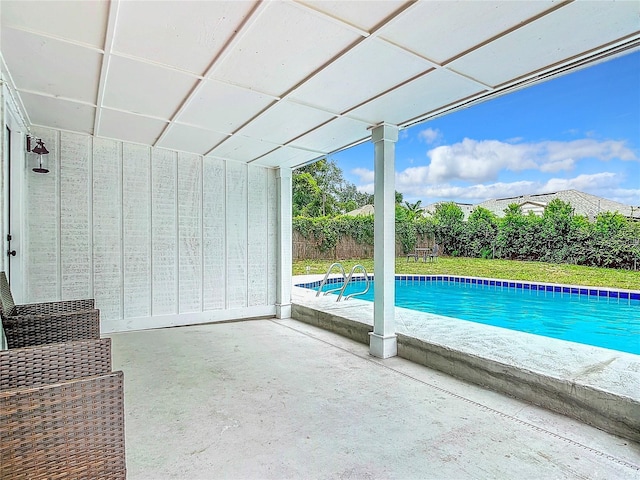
(5,296)
(71,430)
(31,330)
(55,363)
(10,308)
(54,307)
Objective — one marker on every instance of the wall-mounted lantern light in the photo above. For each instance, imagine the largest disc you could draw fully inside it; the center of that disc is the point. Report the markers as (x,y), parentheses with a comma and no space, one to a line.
(36,145)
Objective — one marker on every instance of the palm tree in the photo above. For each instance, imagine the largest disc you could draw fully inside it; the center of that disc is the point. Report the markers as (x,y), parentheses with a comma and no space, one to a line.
(413,209)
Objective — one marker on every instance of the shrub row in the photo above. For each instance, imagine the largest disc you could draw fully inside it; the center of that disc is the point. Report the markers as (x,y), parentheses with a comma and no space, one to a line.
(559,236)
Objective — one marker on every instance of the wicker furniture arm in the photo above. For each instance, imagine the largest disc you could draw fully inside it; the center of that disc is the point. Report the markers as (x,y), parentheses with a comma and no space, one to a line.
(72,429)
(54,307)
(10,308)
(54,363)
(31,330)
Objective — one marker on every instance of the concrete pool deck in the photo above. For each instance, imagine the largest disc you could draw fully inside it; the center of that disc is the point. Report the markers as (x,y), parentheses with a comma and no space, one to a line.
(280,399)
(598,386)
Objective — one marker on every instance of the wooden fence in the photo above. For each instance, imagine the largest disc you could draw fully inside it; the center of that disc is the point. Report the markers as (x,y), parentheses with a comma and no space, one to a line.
(347,248)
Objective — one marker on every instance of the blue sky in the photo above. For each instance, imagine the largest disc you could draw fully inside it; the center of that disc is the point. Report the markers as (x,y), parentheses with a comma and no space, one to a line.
(580,131)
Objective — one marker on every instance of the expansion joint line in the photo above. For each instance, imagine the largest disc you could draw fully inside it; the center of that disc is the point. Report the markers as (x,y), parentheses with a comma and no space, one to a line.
(598,453)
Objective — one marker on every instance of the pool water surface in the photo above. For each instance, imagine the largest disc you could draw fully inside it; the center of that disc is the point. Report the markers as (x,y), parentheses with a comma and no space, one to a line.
(593,319)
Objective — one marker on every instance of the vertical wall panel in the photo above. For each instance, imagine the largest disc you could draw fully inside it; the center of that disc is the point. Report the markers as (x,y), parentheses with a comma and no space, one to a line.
(213,234)
(257,235)
(137,230)
(150,233)
(107,227)
(164,232)
(190,231)
(42,240)
(272,236)
(75,233)
(236,234)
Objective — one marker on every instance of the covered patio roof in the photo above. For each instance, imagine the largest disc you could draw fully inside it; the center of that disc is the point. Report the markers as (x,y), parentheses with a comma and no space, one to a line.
(281,83)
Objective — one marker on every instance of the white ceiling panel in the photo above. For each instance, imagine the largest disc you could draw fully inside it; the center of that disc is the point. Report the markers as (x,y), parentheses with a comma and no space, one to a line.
(242,149)
(442,29)
(156,91)
(60,19)
(187,138)
(128,127)
(58,113)
(369,69)
(335,134)
(275,124)
(423,95)
(363,14)
(184,34)
(240,79)
(223,107)
(52,67)
(286,157)
(559,35)
(284,47)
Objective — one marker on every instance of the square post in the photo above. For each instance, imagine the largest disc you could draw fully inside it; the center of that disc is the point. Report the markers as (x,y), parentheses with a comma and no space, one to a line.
(383,340)
(285,254)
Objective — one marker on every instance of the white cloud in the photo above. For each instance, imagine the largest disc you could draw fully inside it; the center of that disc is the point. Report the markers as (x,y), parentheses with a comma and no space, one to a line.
(586,183)
(366,188)
(602,184)
(364,174)
(628,196)
(429,135)
(482,161)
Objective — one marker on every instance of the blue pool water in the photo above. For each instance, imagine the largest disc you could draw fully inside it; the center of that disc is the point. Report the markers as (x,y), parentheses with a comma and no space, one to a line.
(590,319)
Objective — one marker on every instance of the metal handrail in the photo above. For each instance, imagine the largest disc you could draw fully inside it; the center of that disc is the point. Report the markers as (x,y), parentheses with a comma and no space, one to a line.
(326,276)
(366,277)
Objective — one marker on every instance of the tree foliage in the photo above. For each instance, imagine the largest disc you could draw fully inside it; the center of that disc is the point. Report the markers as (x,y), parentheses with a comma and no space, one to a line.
(448,225)
(611,240)
(319,190)
(321,195)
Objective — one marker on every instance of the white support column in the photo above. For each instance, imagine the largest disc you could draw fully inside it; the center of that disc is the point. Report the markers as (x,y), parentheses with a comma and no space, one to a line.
(283,288)
(383,340)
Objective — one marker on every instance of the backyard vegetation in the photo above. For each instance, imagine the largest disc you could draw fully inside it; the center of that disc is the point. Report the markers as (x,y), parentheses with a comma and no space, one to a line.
(556,247)
(505,269)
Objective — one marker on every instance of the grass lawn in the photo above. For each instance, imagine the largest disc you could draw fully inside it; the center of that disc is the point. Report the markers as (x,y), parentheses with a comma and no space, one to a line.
(507,269)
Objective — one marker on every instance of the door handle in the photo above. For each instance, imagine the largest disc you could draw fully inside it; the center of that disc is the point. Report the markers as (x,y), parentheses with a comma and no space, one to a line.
(11,253)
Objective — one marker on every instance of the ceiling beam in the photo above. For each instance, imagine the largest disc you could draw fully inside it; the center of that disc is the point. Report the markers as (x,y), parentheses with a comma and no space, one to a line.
(226,50)
(112,20)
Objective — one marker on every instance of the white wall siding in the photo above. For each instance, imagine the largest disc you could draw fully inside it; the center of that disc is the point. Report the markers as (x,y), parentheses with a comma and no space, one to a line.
(107,228)
(257,247)
(157,237)
(164,219)
(42,238)
(75,216)
(190,232)
(136,201)
(236,235)
(272,236)
(214,234)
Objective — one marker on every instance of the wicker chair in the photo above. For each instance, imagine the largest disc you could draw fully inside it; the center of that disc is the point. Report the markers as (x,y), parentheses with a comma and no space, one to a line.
(50,322)
(61,413)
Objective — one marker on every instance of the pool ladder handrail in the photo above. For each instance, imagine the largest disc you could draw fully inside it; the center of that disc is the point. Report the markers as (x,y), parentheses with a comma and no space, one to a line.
(366,278)
(326,277)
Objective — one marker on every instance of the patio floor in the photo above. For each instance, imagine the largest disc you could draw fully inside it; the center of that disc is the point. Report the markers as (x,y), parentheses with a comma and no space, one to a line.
(283,399)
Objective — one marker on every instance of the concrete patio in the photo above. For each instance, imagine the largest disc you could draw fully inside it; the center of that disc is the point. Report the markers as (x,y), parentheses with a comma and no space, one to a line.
(283,399)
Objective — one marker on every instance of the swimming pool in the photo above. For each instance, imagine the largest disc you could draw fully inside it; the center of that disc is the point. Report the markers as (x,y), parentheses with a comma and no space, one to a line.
(599,317)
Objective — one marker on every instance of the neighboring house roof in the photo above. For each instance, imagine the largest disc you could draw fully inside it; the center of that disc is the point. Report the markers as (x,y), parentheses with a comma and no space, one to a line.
(583,204)
(364,210)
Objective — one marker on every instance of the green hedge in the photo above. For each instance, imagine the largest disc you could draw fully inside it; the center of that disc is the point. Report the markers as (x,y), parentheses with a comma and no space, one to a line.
(558,236)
